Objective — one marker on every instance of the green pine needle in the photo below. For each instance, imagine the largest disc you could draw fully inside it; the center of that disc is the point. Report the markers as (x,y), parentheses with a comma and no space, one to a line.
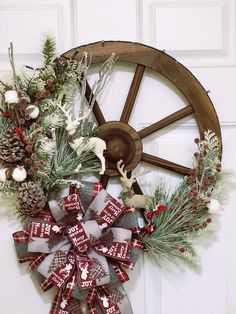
(186,214)
(48,50)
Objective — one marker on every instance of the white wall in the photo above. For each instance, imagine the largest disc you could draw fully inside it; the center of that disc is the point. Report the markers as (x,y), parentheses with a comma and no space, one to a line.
(201,35)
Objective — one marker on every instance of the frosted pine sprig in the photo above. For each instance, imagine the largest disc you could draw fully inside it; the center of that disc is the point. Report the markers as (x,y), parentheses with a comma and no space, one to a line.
(170,232)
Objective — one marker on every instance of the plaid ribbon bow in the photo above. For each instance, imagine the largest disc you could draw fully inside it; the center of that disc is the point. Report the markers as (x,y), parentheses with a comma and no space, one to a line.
(80,246)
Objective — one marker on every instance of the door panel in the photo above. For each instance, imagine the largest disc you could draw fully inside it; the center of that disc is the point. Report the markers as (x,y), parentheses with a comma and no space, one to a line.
(209,51)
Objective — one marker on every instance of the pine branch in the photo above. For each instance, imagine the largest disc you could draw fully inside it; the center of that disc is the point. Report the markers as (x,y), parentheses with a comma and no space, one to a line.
(186,214)
(48,50)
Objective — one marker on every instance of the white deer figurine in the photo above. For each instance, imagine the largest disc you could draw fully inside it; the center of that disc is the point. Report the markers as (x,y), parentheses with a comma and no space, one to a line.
(129,197)
(79,145)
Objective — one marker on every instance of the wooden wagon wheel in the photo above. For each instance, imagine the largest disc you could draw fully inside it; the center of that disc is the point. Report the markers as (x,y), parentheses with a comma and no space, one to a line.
(122,140)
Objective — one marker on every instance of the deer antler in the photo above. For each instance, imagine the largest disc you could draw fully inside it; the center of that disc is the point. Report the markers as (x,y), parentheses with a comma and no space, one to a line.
(72,124)
(127,182)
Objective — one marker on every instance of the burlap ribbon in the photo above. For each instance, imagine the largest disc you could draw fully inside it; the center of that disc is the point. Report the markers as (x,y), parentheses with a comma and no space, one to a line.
(80,246)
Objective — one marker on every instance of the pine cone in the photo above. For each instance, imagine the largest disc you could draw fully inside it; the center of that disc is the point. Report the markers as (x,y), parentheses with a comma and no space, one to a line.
(31,198)
(11,148)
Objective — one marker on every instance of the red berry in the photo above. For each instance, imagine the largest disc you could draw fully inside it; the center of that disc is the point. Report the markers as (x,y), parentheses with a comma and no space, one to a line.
(27,160)
(149,228)
(213,178)
(218,165)
(42,163)
(51,88)
(196,155)
(156,212)
(182,250)
(28,148)
(19,134)
(23,101)
(149,215)
(162,207)
(46,93)
(38,95)
(27,117)
(206,181)
(30,171)
(6,114)
(34,157)
(197,140)
(195,193)
(206,146)
(209,194)
(209,220)
(37,126)
(19,93)
(49,82)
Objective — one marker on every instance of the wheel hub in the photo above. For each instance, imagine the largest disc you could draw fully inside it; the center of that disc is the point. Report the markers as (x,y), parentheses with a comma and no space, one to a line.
(123,142)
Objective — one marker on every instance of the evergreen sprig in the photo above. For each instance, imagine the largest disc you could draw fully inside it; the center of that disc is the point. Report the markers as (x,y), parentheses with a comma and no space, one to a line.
(48,50)
(62,163)
(184,212)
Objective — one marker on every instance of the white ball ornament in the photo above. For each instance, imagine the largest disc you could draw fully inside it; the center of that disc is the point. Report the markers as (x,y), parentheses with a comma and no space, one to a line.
(33,111)
(214,206)
(11,97)
(19,174)
(3,175)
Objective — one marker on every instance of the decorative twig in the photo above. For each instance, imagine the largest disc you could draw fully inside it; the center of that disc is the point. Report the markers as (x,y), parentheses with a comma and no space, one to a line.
(12,62)
(3,83)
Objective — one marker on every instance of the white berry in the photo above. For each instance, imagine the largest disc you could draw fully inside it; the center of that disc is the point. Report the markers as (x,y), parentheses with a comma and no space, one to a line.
(214,206)
(11,97)
(3,175)
(19,174)
(33,111)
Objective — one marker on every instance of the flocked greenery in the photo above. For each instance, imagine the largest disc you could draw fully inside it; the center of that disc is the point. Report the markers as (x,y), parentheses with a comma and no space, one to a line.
(185,211)
(49,159)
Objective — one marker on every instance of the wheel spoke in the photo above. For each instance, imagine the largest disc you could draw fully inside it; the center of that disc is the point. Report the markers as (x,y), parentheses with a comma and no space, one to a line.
(166,121)
(132,93)
(96,109)
(137,189)
(104,180)
(166,164)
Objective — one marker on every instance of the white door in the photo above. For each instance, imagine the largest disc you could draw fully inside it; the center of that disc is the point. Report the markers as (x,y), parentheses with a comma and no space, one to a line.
(201,35)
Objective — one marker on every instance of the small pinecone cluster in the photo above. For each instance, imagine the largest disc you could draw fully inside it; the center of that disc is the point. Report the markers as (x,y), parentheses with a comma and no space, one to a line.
(11,148)
(31,198)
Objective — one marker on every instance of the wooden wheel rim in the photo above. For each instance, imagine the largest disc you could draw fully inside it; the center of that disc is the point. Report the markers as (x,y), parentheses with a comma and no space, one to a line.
(144,56)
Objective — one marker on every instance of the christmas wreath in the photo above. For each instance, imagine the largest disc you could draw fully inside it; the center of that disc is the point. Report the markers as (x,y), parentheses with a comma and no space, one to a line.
(76,237)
